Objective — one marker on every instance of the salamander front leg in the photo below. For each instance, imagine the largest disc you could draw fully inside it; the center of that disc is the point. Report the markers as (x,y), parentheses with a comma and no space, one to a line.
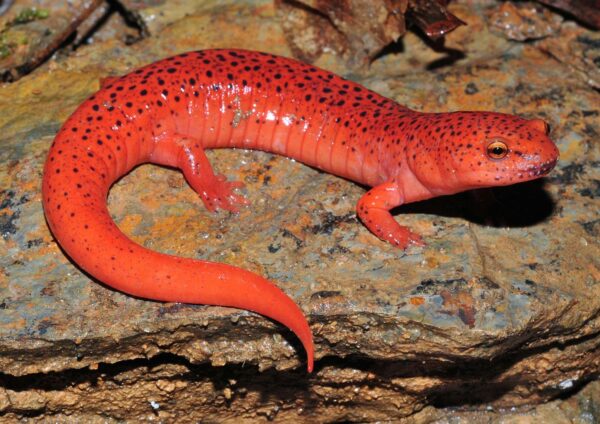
(374,211)
(214,190)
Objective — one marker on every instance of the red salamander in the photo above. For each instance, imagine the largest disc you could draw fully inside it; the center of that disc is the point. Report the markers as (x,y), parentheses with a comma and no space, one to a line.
(170,111)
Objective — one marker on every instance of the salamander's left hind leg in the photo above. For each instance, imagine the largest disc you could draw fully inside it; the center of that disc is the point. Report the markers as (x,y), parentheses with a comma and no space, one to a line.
(214,189)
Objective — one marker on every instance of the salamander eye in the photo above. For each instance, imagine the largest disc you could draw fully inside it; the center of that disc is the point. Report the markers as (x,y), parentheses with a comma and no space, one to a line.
(497,149)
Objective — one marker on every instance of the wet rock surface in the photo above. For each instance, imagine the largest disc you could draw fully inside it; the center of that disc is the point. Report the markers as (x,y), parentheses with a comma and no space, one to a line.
(525,21)
(500,310)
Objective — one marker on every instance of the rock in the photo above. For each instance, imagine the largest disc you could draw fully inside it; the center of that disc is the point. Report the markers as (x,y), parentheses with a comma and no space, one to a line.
(580,50)
(358,30)
(525,21)
(29,35)
(585,11)
(500,310)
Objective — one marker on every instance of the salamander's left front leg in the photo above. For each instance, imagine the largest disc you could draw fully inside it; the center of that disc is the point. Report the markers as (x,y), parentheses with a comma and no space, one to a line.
(374,211)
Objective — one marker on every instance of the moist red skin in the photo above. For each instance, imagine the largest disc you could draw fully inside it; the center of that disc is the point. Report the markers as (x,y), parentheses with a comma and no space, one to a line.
(168,112)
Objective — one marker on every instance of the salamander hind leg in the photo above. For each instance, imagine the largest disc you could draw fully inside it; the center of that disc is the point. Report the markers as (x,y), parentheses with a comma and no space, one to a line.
(374,211)
(214,189)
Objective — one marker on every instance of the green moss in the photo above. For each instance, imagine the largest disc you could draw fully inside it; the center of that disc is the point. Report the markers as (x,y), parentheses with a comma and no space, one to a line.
(5,51)
(7,46)
(29,15)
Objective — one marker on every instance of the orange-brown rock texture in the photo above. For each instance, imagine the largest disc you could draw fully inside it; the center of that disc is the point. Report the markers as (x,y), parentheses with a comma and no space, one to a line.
(498,313)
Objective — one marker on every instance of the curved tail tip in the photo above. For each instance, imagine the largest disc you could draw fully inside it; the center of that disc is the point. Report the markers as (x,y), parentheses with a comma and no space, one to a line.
(305,336)
(309,348)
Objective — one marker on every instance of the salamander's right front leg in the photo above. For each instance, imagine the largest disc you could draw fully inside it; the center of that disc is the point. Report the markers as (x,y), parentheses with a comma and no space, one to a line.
(374,211)
(214,190)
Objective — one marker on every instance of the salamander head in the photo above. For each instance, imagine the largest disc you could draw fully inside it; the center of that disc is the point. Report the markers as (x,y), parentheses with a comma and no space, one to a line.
(483,149)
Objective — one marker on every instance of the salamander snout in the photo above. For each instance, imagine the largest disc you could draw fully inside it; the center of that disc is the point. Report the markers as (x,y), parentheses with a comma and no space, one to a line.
(539,169)
(533,153)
